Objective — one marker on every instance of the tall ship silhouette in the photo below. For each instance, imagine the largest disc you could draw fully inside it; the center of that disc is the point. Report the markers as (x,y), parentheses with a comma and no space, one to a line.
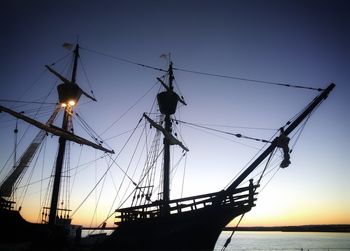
(147,216)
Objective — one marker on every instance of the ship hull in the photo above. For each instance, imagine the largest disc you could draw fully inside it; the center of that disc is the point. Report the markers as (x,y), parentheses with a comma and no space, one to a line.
(194,230)
(16,230)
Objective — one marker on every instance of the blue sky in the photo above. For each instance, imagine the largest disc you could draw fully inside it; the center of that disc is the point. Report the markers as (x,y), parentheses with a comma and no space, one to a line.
(301,42)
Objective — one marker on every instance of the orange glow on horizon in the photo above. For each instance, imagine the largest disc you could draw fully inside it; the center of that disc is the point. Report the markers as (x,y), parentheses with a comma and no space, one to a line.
(296,217)
(310,215)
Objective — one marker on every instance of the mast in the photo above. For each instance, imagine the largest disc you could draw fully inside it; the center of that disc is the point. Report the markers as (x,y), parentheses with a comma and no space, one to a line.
(68,93)
(167,102)
(168,128)
(287,131)
(166,167)
(61,150)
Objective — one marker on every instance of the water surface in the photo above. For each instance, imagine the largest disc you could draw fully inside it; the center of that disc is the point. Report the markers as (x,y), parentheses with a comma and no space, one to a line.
(284,241)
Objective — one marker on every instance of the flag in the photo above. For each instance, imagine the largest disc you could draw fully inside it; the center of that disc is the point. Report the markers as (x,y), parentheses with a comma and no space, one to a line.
(68,46)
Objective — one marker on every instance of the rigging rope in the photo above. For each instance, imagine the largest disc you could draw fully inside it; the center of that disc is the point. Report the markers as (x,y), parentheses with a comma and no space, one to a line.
(60,59)
(130,161)
(298,133)
(258,183)
(238,135)
(27,102)
(124,60)
(132,106)
(273,175)
(90,131)
(147,175)
(16,144)
(206,73)
(183,177)
(123,201)
(33,83)
(26,130)
(76,168)
(96,185)
(97,200)
(22,196)
(233,231)
(41,176)
(109,167)
(86,76)
(132,192)
(250,80)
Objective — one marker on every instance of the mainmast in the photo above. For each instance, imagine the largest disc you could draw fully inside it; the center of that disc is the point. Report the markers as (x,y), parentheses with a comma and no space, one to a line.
(167,102)
(167,108)
(68,101)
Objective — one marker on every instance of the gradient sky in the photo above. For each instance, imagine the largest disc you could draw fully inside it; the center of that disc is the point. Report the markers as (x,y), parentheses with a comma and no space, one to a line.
(301,42)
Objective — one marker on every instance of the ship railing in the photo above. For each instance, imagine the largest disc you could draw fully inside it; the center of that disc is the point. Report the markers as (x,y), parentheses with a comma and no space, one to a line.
(62,217)
(243,196)
(6,204)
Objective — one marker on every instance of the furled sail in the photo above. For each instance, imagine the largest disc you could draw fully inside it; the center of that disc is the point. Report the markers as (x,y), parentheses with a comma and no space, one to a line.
(6,188)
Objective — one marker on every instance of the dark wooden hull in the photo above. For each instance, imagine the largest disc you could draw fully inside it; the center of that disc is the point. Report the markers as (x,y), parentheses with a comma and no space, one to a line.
(14,230)
(192,223)
(194,230)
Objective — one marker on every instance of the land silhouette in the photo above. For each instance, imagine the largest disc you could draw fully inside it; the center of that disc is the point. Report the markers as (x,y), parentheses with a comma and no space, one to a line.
(339,228)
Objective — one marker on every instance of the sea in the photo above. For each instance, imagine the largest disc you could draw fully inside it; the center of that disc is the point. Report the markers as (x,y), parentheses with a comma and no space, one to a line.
(305,241)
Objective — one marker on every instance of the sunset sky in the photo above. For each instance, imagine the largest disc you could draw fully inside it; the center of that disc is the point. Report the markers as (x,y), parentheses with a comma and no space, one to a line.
(295,42)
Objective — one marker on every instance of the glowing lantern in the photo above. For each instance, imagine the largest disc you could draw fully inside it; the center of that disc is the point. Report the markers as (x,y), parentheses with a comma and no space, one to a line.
(68,94)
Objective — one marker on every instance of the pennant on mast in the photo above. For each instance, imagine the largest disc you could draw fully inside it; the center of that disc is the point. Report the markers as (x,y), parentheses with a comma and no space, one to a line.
(68,46)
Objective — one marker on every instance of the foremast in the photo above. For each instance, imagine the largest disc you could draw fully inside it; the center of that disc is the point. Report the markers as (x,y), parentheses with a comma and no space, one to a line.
(62,143)
(69,93)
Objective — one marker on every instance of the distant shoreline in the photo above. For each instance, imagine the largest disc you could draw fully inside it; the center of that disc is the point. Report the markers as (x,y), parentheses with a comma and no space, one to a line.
(345,228)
